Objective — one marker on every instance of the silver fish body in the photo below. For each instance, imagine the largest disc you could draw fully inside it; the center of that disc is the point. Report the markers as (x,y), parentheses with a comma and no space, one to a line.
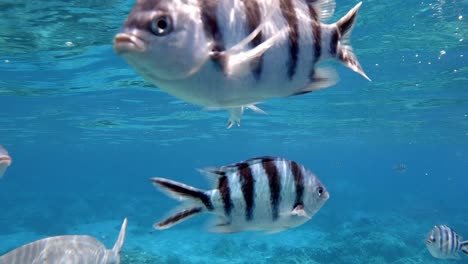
(235,53)
(264,193)
(444,243)
(5,161)
(68,249)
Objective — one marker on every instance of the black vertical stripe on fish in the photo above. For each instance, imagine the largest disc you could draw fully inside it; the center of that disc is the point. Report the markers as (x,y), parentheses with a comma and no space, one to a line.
(334,42)
(289,13)
(209,19)
(444,240)
(440,236)
(298,182)
(453,247)
(179,216)
(450,240)
(247,183)
(275,186)
(317,36)
(174,187)
(457,243)
(224,190)
(252,10)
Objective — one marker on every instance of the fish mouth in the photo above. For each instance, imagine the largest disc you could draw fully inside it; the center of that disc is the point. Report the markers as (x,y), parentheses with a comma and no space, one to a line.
(5,160)
(124,43)
(326,195)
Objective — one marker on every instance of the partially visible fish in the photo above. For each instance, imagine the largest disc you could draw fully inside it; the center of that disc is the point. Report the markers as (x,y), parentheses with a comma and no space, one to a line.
(69,249)
(264,193)
(5,160)
(232,54)
(400,168)
(444,243)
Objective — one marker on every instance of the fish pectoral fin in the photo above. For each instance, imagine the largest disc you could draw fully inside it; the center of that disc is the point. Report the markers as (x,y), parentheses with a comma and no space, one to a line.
(299,211)
(322,78)
(238,63)
(212,172)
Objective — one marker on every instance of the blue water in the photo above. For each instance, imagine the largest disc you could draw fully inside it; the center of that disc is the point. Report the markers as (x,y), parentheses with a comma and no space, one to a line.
(86,133)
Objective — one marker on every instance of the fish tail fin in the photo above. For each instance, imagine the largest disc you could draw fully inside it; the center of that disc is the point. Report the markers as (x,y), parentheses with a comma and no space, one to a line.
(121,239)
(178,217)
(339,45)
(182,191)
(464,247)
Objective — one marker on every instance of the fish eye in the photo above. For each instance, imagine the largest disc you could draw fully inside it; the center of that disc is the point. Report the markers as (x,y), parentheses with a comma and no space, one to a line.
(161,25)
(319,191)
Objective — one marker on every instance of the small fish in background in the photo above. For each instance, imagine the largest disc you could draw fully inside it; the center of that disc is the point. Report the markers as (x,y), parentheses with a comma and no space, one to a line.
(68,249)
(264,193)
(233,54)
(401,168)
(5,160)
(444,243)
(338,163)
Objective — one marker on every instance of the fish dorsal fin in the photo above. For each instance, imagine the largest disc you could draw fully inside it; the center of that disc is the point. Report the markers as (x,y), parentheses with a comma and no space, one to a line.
(212,172)
(212,175)
(324,8)
(121,239)
(217,172)
(251,161)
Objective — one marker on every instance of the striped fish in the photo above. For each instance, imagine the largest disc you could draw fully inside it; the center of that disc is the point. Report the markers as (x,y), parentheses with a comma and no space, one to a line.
(264,193)
(232,54)
(444,243)
(70,249)
(5,160)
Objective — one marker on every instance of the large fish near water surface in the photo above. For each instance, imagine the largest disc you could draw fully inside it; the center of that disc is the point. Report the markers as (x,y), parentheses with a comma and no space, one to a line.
(264,193)
(69,249)
(5,160)
(233,54)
